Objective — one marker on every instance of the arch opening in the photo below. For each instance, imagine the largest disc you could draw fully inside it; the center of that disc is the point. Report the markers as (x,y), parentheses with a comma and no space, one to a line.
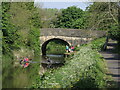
(44,45)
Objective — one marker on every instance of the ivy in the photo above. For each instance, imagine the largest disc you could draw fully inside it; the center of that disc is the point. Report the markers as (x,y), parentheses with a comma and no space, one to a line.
(9,30)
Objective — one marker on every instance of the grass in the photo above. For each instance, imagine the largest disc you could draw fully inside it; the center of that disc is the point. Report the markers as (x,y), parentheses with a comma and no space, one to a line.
(82,66)
(85,69)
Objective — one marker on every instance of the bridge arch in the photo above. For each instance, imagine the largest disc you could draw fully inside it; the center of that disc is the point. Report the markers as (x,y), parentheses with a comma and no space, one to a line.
(44,45)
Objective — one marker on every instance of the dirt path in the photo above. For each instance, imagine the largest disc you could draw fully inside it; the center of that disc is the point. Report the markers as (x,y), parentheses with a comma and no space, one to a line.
(113,61)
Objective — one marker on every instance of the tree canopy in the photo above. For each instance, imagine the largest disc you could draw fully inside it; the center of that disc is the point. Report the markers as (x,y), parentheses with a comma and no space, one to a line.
(72,17)
(106,17)
(98,16)
(20,20)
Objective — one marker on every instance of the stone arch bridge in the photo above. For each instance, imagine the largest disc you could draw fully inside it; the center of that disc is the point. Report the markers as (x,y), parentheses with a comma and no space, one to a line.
(69,36)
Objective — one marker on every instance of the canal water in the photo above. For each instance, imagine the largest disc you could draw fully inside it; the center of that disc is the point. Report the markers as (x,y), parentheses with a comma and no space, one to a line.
(52,61)
(15,76)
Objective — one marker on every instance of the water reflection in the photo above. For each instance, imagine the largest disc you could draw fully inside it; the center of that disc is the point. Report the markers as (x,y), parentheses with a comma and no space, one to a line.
(52,61)
(15,76)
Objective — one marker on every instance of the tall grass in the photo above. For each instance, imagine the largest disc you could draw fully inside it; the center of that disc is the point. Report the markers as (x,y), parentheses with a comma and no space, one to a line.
(86,69)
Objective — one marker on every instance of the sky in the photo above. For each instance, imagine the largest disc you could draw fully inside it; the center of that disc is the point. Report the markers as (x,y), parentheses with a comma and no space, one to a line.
(64,5)
(60,5)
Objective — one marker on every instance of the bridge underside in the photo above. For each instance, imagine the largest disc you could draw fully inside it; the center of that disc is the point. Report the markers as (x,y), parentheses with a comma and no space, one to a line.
(44,45)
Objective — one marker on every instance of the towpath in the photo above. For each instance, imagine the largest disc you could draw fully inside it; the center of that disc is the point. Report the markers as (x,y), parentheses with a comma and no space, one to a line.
(113,61)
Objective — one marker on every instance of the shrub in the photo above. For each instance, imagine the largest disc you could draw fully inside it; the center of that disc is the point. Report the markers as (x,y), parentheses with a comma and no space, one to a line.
(85,70)
(97,44)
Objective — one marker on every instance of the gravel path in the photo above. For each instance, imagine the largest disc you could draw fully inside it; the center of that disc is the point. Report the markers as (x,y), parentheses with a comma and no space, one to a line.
(113,61)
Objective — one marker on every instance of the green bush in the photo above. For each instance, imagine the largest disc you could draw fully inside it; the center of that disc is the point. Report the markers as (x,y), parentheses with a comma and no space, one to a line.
(98,44)
(85,70)
(20,37)
(33,40)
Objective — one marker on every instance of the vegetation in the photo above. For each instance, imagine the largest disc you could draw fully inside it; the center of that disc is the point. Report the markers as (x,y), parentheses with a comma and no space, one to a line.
(106,17)
(48,16)
(86,69)
(20,28)
(9,31)
(56,47)
(21,23)
(72,17)
(98,44)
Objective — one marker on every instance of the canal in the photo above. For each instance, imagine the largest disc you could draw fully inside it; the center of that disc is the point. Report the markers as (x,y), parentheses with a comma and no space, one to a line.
(52,61)
(15,76)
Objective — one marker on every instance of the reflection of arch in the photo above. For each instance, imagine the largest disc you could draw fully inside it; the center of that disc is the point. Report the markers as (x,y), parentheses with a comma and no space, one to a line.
(46,42)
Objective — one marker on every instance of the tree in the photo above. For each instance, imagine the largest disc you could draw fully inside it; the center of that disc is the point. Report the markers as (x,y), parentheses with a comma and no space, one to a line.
(9,30)
(48,16)
(72,17)
(105,18)
(104,13)
(18,19)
